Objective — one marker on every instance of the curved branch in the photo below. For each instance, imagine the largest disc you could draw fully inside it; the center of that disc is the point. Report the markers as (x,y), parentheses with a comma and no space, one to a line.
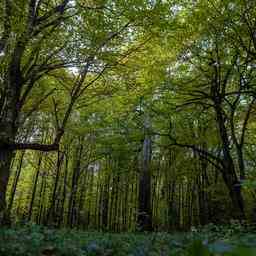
(202,152)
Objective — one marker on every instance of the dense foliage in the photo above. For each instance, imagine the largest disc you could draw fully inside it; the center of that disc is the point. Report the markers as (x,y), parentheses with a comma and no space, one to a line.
(127,116)
(209,241)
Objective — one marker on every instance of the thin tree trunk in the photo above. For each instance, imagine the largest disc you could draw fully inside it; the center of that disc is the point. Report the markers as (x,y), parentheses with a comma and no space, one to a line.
(13,189)
(51,212)
(82,198)
(144,219)
(64,192)
(74,186)
(34,187)
(105,202)
(41,197)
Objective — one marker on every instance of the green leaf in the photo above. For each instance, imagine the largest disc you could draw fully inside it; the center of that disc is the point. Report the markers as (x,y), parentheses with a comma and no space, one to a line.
(198,249)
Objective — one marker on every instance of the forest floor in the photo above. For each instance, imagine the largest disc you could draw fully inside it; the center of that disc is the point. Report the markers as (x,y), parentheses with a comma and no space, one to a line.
(33,240)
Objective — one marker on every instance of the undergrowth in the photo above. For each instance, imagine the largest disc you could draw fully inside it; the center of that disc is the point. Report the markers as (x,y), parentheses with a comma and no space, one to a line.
(33,240)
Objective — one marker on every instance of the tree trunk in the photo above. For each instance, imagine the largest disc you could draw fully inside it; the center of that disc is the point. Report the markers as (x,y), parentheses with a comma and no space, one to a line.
(52,209)
(105,203)
(34,187)
(15,182)
(64,192)
(82,198)
(8,116)
(144,219)
(6,157)
(228,171)
(41,199)
(240,160)
(9,113)
(235,193)
(74,186)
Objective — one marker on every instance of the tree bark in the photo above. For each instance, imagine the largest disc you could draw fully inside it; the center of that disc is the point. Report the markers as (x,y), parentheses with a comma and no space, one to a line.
(144,219)
(34,187)
(8,130)
(228,171)
(15,183)
(74,186)
(6,157)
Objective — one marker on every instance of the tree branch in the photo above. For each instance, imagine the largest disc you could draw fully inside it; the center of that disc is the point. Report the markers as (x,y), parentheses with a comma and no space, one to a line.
(193,147)
(35,146)
(246,119)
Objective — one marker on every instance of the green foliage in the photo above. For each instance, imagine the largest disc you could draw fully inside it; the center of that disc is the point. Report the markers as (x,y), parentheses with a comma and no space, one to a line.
(186,65)
(35,240)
